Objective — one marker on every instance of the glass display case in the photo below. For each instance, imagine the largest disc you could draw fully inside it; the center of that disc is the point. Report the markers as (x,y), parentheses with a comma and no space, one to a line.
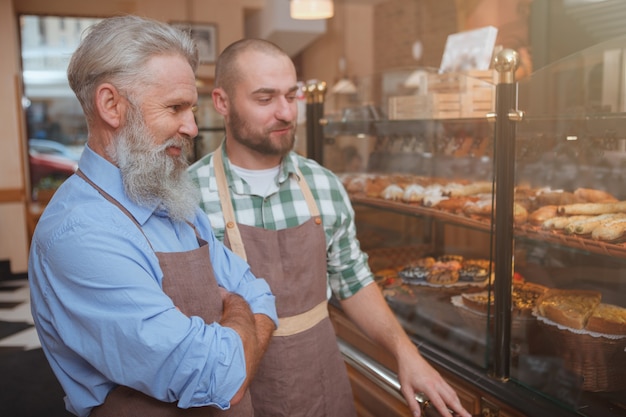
(519,294)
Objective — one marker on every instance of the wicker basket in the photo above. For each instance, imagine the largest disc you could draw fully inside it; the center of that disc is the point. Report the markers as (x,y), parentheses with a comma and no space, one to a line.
(599,359)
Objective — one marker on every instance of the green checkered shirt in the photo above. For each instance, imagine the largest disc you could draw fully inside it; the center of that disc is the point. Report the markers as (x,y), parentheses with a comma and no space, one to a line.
(347,266)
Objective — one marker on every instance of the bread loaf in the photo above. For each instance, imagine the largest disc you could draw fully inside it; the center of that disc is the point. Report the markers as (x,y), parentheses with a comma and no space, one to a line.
(558,198)
(561,222)
(571,308)
(608,318)
(611,230)
(470,189)
(592,209)
(539,216)
(595,196)
(586,226)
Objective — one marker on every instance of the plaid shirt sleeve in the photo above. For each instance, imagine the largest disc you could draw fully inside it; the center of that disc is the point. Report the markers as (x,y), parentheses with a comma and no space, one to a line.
(347,266)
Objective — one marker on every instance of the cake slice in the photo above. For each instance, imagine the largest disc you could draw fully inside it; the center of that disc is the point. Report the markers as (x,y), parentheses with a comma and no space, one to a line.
(571,308)
(607,318)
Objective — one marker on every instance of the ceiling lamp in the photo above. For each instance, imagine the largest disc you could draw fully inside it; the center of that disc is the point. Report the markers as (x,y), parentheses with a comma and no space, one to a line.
(311,9)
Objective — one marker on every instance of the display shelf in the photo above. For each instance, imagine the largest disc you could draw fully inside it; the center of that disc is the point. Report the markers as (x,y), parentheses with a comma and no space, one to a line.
(616,249)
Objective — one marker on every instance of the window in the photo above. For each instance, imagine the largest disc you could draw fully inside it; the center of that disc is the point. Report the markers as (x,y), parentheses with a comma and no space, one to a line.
(55,123)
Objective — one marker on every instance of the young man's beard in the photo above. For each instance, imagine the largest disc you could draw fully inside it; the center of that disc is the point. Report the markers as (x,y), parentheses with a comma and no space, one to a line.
(149,174)
(260,141)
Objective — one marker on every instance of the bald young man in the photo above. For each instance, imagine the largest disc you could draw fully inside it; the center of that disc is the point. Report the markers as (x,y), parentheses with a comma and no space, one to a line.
(293,222)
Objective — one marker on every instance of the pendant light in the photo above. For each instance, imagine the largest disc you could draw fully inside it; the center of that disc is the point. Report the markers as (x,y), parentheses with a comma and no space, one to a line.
(311,9)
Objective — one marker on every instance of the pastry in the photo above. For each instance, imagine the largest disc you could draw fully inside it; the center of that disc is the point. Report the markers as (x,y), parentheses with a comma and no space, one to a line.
(586,226)
(413,193)
(444,272)
(592,209)
(607,318)
(473,273)
(392,192)
(443,276)
(539,216)
(414,274)
(571,308)
(561,222)
(595,196)
(557,198)
(611,230)
(478,301)
(524,298)
(469,189)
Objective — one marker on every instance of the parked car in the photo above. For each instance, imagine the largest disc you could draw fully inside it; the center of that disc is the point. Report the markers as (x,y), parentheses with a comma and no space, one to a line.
(51,147)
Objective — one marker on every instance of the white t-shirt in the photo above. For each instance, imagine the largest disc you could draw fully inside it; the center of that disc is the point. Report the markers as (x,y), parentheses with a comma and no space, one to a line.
(262,182)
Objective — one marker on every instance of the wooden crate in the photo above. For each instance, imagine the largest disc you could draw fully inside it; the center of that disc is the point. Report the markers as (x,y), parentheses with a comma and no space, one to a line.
(451,95)
(430,106)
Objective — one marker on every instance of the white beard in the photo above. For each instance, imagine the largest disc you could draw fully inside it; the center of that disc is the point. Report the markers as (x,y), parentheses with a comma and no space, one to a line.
(149,174)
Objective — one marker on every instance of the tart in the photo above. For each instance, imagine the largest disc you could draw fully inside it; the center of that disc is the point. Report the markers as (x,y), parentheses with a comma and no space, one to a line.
(571,308)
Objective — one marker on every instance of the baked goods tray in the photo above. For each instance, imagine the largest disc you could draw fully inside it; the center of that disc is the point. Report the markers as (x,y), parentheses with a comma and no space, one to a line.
(398,206)
(615,249)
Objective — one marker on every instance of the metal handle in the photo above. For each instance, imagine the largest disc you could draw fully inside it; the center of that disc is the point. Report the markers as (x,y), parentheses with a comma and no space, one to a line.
(378,374)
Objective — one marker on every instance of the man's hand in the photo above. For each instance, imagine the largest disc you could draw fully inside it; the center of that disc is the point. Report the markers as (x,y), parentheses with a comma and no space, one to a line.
(255,331)
(370,312)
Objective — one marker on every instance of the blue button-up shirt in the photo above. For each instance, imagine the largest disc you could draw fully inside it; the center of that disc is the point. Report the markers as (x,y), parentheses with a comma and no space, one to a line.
(99,308)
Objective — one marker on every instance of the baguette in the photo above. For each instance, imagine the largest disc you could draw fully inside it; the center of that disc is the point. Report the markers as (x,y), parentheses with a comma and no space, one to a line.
(586,226)
(571,308)
(561,222)
(558,198)
(609,231)
(607,318)
(592,208)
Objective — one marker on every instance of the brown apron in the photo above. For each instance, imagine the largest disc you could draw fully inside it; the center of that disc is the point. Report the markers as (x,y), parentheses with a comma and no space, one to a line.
(302,373)
(189,280)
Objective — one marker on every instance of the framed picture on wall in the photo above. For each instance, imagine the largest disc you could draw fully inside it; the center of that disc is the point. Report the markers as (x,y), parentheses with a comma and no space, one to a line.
(205,36)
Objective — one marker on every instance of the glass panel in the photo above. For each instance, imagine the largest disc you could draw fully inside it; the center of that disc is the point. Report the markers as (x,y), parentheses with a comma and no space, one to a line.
(411,164)
(571,151)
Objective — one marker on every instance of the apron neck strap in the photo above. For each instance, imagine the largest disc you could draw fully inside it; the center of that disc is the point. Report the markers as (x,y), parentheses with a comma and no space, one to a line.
(228,211)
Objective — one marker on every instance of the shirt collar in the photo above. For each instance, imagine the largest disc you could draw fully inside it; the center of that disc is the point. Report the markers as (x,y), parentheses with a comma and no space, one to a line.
(287,168)
(109,178)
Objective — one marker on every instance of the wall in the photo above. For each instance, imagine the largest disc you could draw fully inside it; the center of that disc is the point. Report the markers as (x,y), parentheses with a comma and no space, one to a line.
(13,219)
(14,205)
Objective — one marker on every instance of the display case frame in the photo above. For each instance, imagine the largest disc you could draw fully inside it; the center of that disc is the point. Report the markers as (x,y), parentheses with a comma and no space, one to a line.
(514,133)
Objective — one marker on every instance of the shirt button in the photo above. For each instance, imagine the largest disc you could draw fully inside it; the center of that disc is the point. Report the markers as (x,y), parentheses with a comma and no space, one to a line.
(230,225)
(318,220)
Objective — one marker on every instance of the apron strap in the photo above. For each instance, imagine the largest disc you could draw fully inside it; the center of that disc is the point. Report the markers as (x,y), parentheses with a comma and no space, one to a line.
(228,211)
(291,325)
(230,224)
(287,325)
(112,200)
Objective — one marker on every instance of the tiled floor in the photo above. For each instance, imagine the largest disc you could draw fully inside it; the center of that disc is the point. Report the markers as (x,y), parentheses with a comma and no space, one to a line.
(15,315)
